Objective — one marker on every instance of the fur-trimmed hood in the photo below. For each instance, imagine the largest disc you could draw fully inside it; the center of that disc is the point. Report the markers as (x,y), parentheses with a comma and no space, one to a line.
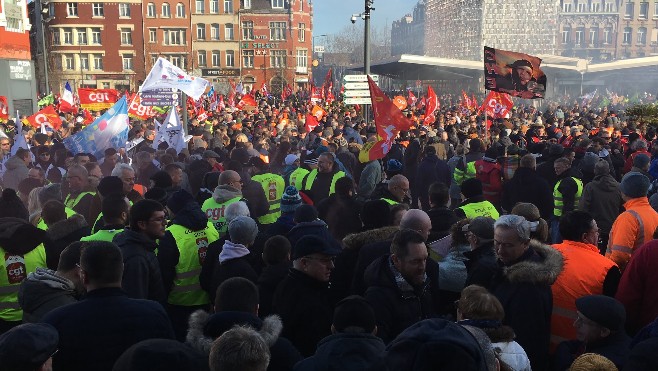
(204,328)
(65,227)
(544,272)
(358,240)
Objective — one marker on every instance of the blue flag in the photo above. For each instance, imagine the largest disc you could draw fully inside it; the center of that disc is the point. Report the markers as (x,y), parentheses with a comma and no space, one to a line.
(108,131)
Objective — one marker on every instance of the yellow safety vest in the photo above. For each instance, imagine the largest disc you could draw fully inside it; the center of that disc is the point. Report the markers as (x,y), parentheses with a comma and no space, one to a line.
(103,235)
(297,178)
(390,202)
(13,270)
(558,199)
(192,247)
(273,186)
(459,175)
(69,213)
(73,202)
(215,213)
(314,173)
(482,208)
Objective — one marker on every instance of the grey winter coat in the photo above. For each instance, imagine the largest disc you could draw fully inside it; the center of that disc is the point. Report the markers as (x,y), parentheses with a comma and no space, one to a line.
(43,291)
(15,173)
(602,198)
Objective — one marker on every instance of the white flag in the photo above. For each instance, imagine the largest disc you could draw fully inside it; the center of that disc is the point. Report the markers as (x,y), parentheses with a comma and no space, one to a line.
(165,75)
(19,138)
(159,134)
(173,131)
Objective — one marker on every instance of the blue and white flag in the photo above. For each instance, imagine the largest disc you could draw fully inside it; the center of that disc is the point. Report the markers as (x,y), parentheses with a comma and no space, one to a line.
(108,131)
(171,131)
(165,75)
(19,138)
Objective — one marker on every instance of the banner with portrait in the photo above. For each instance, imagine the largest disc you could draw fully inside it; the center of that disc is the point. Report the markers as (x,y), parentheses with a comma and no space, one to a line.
(516,74)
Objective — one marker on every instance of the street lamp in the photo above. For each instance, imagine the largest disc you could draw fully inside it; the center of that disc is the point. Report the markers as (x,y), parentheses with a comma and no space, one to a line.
(42,8)
(366,43)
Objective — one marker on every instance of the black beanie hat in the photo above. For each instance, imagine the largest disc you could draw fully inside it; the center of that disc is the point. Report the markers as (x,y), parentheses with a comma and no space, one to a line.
(109,185)
(471,188)
(12,206)
(178,200)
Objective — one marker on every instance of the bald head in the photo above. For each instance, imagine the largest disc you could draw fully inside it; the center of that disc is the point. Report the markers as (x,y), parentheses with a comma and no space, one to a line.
(418,220)
(227,177)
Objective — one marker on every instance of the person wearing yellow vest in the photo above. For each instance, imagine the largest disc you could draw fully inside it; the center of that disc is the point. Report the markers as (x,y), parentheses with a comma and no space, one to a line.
(320,183)
(566,193)
(397,191)
(79,197)
(115,215)
(586,272)
(636,225)
(296,178)
(465,168)
(293,173)
(47,193)
(110,185)
(21,251)
(273,185)
(181,253)
(228,191)
(474,204)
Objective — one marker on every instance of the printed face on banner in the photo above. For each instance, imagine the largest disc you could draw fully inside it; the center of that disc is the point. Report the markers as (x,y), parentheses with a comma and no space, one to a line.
(516,74)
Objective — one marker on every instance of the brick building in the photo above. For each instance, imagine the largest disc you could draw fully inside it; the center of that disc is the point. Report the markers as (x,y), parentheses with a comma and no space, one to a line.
(638,29)
(589,30)
(168,32)
(276,43)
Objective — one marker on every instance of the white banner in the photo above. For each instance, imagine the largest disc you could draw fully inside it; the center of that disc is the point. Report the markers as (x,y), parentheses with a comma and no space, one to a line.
(166,75)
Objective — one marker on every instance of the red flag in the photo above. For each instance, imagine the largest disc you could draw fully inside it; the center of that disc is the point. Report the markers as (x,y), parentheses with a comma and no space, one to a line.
(202,116)
(330,94)
(311,123)
(88,117)
(389,121)
(46,116)
(4,108)
(316,95)
(263,89)
(474,103)
(221,104)
(137,110)
(497,105)
(97,99)
(247,100)
(411,99)
(431,105)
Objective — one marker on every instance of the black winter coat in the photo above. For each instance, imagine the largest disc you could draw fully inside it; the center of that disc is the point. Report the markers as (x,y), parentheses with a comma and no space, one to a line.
(305,309)
(238,267)
(62,234)
(528,186)
(95,331)
(268,281)
(481,265)
(342,215)
(396,309)
(142,278)
(431,169)
(345,352)
(615,347)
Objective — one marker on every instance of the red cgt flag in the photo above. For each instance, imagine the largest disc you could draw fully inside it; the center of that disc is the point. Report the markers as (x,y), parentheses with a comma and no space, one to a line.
(4,108)
(247,100)
(311,122)
(97,99)
(497,105)
(46,116)
(431,105)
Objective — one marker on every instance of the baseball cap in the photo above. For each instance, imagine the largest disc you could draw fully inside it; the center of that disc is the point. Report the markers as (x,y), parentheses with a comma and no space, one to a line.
(309,245)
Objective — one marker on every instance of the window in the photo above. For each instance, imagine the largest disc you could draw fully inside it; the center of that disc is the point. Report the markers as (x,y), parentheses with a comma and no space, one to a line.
(594,36)
(166,10)
(230,58)
(278,58)
(642,36)
(214,6)
(68,36)
(180,10)
(228,31)
(56,38)
(214,31)
(246,4)
(215,58)
(228,6)
(72,9)
(124,10)
(177,61)
(654,36)
(277,30)
(200,9)
(301,32)
(607,35)
(201,57)
(566,7)
(629,10)
(150,10)
(581,7)
(594,7)
(98,61)
(248,30)
(153,35)
(82,37)
(644,10)
(97,10)
(655,9)
(302,58)
(248,58)
(566,36)
(174,37)
(580,33)
(68,62)
(127,60)
(84,62)
(154,58)
(126,36)
(201,31)
(610,7)
(628,32)
(277,4)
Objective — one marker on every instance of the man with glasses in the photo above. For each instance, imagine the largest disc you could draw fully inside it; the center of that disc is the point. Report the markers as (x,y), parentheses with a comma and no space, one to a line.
(397,190)
(141,271)
(228,191)
(302,298)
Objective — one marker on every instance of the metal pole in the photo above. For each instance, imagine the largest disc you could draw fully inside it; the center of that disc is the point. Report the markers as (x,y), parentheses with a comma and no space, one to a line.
(366,51)
(184,104)
(43,44)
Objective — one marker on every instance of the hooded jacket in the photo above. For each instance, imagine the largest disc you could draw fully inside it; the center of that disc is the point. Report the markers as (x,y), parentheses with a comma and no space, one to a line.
(602,199)
(344,351)
(204,328)
(15,173)
(528,186)
(62,234)
(43,291)
(354,250)
(141,272)
(524,290)
(224,193)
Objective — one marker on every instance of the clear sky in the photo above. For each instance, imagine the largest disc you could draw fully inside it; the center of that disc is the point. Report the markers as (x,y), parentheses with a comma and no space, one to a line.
(330,16)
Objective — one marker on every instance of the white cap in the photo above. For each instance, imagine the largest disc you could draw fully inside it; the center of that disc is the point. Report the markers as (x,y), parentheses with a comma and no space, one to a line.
(290,159)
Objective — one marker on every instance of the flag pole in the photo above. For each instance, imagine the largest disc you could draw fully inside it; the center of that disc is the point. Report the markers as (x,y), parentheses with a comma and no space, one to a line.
(485,119)
(184,106)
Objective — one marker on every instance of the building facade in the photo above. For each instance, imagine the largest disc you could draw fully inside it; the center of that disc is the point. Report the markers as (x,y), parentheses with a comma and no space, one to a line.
(17,82)
(408,33)
(276,43)
(167,32)
(638,29)
(589,30)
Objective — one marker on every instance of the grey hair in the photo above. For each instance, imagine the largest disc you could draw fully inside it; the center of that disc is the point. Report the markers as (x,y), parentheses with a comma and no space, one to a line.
(119,168)
(242,230)
(236,209)
(639,144)
(518,223)
(240,348)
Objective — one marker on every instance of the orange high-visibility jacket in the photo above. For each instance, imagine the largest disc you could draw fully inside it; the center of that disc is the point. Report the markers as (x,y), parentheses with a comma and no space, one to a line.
(631,229)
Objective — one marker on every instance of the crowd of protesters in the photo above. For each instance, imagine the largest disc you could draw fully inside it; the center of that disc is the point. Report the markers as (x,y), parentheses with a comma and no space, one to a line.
(522,243)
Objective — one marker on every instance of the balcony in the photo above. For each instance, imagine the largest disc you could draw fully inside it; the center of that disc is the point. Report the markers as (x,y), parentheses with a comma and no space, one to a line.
(301,70)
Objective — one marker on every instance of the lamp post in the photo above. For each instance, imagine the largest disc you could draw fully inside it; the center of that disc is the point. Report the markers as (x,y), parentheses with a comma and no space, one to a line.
(366,45)
(39,13)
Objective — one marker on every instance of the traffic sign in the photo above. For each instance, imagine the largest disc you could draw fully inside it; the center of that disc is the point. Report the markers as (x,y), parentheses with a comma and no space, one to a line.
(357,101)
(159,97)
(360,78)
(357,93)
(356,86)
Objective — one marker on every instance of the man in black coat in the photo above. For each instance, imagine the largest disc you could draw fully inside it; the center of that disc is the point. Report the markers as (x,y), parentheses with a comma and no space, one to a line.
(302,298)
(430,170)
(481,264)
(94,332)
(546,169)
(528,186)
(142,278)
(399,287)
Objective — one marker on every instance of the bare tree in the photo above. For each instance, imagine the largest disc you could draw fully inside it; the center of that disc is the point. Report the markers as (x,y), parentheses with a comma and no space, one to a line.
(350,40)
